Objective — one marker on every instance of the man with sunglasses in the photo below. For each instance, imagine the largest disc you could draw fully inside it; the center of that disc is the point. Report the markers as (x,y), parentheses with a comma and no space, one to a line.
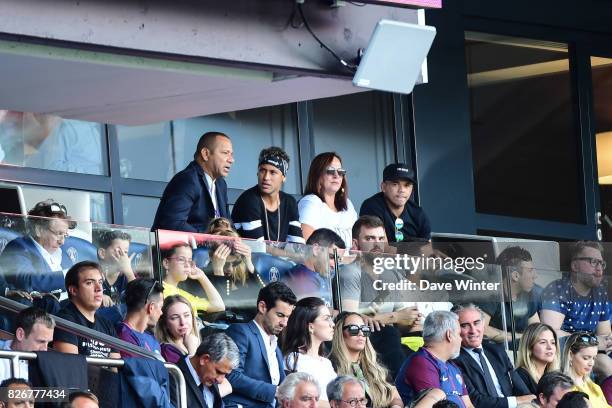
(144,300)
(264,212)
(579,302)
(401,216)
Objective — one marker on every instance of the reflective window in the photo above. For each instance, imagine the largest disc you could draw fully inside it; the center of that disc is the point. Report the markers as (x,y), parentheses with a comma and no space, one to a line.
(80,205)
(139,211)
(145,152)
(359,128)
(602,97)
(156,152)
(251,130)
(525,142)
(52,143)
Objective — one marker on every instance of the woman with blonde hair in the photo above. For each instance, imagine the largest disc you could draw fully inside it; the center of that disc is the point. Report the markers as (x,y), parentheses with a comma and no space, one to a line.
(577,361)
(353,354)
(177,329)
(538,354)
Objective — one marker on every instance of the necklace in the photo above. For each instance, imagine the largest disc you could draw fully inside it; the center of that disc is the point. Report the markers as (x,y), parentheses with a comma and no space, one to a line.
(266,218)
(228,284)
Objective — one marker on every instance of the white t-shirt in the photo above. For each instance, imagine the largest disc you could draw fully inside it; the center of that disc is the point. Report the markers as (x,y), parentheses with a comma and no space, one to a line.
(5,364)
(319,367)
(317,214)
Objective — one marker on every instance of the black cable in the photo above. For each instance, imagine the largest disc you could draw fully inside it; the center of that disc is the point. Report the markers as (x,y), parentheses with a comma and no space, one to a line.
(347,65)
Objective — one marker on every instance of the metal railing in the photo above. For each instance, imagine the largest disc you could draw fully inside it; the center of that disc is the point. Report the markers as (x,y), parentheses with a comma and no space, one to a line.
(15,356)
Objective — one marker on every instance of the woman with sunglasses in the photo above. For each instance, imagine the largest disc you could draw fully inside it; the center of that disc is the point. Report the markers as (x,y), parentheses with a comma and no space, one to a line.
(353,354)
(309,326)
(577,361)
(178,267)
(538,354)
(325,203)
(176,329)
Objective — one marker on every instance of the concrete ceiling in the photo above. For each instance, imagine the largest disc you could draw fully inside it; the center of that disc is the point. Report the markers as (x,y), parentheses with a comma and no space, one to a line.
(128,90)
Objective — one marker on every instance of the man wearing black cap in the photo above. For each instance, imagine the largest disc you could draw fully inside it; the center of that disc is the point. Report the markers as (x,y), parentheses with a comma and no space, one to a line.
(401,216)
(264,212)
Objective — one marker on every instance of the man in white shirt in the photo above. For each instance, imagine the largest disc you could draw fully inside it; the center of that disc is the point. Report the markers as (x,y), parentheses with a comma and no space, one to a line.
(34,331)
(261,367)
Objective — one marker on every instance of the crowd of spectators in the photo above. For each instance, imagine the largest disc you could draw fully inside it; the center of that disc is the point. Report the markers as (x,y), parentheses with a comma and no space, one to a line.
(291,346)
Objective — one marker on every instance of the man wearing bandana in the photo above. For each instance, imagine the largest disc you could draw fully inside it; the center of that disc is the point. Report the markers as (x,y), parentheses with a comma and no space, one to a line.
(264,212)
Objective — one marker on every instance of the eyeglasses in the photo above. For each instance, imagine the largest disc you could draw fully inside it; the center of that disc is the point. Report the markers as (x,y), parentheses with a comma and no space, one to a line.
(399,235)
(587,338)
(356,401)
(593,261)
(233,264)
(183,260)
(332,171)
(150,292)
(353,330)
(55,207)
(59,234)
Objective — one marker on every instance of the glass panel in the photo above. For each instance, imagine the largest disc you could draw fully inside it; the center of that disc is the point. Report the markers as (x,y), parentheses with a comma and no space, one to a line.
(525,142)
(157,152)
(81,205)
(52,143)
(359,128)
(37,252)
(250,130)
(145,152)
(602,97)
(139,211)
(214,282)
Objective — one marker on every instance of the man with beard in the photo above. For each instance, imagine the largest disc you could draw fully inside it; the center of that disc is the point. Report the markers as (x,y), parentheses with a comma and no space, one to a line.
(379,308)
(489,376)
(580,302)
(431,366)
(401,216)
(261,369)
(264,212)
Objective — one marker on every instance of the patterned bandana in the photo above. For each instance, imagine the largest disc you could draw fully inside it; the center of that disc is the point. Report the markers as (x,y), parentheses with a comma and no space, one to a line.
(275,160)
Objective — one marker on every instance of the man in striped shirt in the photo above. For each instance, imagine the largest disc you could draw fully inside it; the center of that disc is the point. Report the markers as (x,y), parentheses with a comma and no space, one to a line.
(264,212)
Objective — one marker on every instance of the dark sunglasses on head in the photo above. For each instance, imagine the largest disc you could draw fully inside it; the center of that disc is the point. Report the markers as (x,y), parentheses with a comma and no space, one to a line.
(353,330)
(331,171)
(587,338)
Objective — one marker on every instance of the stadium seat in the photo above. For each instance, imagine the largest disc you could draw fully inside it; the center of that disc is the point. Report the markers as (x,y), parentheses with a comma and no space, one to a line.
(271,268)
(76,249)
(6,236)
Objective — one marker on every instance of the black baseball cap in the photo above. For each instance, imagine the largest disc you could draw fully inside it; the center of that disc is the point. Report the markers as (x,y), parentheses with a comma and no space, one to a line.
(397,171)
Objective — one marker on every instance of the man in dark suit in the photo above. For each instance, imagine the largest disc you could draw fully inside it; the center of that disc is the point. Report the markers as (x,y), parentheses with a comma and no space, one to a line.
(198,193)
(215,358)
(261,369)
(487,370)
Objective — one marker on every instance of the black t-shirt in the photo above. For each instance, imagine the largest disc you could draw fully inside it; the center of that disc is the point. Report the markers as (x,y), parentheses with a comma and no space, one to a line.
(416,223)
(523,307)
(87,347)
(249,217)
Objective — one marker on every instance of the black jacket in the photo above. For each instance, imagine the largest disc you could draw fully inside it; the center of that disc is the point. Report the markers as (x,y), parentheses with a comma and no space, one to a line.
(186,204)
(195,399)
(511,384)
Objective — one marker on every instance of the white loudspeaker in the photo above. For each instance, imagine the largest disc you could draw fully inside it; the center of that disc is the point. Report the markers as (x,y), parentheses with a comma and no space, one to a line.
(395,54)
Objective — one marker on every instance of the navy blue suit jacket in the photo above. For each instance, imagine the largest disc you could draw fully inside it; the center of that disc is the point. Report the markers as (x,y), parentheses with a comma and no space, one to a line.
(251,382)
(26,269)
(186,204)
(511,384)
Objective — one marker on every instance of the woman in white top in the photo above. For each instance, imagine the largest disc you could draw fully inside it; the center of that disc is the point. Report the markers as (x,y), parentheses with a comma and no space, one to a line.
(309,325)
(325,203)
